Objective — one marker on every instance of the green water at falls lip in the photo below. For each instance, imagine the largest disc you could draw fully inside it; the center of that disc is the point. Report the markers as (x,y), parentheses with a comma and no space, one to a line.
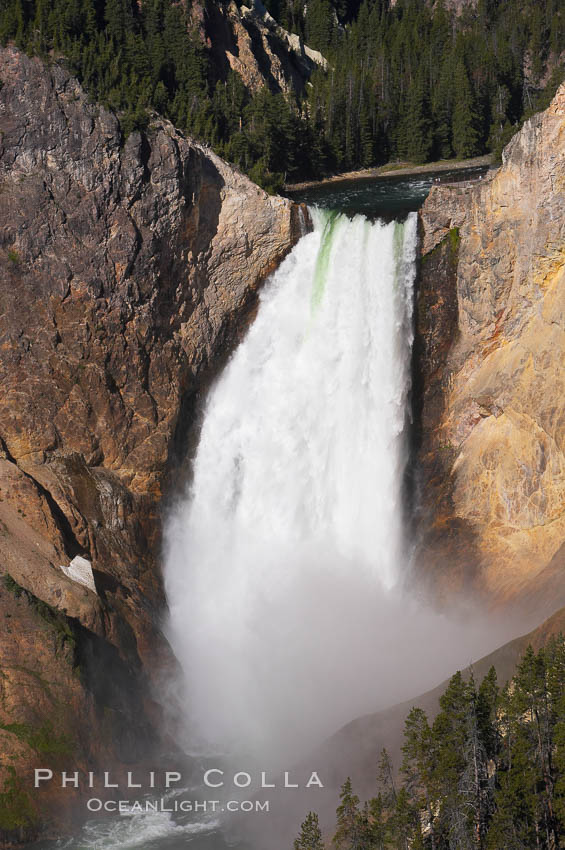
(323,259)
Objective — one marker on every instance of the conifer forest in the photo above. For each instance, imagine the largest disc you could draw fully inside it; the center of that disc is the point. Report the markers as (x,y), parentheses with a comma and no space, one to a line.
(412,80)
(487,774)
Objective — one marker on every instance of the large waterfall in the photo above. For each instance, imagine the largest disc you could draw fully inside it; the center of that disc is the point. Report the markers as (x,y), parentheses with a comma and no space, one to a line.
(280,557)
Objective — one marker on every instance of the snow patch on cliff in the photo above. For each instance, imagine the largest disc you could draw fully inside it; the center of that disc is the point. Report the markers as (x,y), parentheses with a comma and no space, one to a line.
(80,570)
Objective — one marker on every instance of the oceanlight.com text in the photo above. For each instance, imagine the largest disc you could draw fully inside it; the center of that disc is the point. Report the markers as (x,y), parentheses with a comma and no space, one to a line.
(129,807)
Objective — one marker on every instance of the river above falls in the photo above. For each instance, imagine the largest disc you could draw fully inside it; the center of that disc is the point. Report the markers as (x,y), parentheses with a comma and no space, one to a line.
(382,197)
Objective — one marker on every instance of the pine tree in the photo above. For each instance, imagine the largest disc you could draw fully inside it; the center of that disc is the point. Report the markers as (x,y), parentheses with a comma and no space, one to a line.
(367,140)
(348,819)
(320,24)
(515,822)
(475,791)
(377,831)
(537,40)
(449,736)
(40,27)
(532,696)
(500,126)
(117,18)
(416,138)
(419,765)
(404,822)
(385,780)
(465,130)
(310,837)
(486,708)
(443,98)
(12,23)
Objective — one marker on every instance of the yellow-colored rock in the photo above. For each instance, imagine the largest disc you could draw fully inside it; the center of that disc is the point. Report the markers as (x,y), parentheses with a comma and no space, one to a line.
(502,414)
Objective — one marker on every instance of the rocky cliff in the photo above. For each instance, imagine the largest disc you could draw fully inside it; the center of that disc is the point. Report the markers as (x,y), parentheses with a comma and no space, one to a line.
(248,40)
(491,373)
(127,269)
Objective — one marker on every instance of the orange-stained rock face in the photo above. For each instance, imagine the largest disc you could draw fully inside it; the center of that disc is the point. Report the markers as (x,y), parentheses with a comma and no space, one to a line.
(500,416)
(127,271)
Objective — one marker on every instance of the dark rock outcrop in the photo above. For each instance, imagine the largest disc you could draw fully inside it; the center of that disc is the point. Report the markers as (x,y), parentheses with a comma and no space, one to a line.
(128,268)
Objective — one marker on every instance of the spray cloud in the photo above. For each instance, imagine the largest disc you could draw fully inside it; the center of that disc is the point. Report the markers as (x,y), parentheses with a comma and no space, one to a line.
(282,561)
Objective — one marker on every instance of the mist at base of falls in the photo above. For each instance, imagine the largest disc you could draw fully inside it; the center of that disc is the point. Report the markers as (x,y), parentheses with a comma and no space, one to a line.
(285,560)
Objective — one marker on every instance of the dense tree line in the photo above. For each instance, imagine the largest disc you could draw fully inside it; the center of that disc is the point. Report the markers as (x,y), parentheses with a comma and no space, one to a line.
(413,81)
(487,774)
(420,83)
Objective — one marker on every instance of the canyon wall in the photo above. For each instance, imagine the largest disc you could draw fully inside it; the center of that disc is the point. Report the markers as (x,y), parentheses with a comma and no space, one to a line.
(490,380)
(248,40)
(128,268)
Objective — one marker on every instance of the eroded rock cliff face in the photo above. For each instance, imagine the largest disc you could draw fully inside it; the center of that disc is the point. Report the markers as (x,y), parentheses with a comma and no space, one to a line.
(127,269)
(248,40)
(491,354)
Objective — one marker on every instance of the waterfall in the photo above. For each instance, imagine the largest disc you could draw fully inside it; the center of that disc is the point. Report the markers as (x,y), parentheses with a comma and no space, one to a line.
(292,530)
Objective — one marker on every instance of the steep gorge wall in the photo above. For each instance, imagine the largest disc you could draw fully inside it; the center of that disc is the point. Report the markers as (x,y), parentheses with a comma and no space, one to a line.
(248,40)
(491,380)
(127,269)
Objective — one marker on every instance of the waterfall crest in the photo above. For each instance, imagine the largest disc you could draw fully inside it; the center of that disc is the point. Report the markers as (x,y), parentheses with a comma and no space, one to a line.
(295,508)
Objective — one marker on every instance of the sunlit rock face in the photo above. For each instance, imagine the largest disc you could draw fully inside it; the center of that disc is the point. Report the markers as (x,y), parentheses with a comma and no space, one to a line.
(127,270)
(248,40)
(492,385)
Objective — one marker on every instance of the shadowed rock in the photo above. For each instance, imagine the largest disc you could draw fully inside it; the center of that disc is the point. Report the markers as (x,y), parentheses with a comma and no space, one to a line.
(128,268)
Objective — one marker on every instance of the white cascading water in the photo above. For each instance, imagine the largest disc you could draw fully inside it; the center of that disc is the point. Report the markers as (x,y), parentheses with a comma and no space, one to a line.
(295,508)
